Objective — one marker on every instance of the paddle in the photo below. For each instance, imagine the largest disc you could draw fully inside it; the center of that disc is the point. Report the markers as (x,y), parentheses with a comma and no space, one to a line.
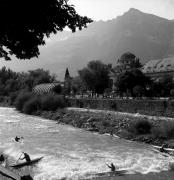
(19,158)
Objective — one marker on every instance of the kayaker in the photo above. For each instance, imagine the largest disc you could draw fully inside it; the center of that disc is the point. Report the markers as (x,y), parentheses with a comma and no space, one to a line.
(2,158)
(112,167)
(18,139)
(26,157)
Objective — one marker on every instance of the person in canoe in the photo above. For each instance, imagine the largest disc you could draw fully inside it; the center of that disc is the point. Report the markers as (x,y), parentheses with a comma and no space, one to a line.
(112,167)
(18,139)
(2,158)
(26,157)
(28,177)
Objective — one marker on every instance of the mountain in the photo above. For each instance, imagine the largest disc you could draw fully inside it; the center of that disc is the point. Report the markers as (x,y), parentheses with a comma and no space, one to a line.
(146,35)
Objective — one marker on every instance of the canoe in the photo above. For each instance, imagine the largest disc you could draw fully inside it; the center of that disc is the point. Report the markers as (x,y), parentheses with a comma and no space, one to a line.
(9,174)
(32,162)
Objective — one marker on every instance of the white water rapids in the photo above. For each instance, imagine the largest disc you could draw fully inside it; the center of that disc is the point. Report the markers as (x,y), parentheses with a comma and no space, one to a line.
(70,152)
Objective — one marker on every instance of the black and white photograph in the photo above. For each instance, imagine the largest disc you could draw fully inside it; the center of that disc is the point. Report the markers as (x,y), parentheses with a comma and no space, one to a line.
(86,89)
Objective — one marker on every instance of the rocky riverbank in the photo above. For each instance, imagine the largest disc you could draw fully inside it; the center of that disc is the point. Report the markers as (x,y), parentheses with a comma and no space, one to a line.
(147,129)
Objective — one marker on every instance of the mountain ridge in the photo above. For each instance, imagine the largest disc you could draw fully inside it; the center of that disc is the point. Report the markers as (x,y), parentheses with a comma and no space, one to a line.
(147,36)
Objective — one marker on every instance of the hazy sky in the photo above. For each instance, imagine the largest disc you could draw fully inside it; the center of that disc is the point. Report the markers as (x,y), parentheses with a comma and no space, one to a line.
(109,9)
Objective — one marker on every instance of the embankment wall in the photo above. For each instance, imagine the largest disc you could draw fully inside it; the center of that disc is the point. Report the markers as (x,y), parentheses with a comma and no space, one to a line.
(147,107)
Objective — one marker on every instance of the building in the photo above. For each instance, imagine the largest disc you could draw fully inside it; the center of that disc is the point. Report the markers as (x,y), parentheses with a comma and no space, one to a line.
(157,69)
(125,62)
(47,88)
(67,82)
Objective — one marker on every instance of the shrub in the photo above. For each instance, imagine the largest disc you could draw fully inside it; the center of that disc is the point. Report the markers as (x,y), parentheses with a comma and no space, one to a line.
(21,99)
(79,122)
(32,105)
(13,97)
(141,127)
(165,130)
(52,102)
(106,123)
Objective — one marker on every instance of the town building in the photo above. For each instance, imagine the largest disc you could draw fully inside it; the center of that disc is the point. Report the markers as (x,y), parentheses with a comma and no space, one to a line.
(124,63)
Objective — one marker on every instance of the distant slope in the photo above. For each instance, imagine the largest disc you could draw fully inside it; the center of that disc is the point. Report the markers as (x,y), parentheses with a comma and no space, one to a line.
(147,36)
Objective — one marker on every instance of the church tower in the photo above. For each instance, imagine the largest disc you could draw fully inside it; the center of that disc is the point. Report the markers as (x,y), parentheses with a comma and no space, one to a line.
(67,82)
(67,75)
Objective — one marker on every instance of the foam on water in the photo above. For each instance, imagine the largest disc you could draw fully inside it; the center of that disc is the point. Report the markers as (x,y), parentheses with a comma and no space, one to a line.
(41,127)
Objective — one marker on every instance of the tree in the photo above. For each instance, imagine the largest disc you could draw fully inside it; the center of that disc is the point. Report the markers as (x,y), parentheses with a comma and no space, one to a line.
(95,76)
(57,89)
(107,92)
(78,86)
(138,91)
(26,23)
(167,84)
(127,80)
(35,77)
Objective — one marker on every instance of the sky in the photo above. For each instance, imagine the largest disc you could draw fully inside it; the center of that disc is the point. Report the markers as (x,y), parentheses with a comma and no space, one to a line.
(109,9)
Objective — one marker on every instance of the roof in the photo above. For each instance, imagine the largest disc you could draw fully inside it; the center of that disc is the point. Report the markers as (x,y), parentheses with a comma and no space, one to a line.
(160,65)
(127,55)
(45,88)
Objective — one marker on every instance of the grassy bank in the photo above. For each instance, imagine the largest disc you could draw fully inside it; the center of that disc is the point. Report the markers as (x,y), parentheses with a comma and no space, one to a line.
(150,130)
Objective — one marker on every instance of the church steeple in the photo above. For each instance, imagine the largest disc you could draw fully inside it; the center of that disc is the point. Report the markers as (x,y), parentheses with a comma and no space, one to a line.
(67,75)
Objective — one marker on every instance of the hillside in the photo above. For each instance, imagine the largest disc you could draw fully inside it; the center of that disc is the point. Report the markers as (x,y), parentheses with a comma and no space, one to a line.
(146,35)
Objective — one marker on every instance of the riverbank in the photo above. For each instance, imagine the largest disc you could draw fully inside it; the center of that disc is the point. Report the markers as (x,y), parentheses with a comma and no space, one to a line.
(148,129)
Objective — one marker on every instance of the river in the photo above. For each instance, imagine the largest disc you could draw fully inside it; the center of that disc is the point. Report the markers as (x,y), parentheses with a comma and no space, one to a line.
(73,153)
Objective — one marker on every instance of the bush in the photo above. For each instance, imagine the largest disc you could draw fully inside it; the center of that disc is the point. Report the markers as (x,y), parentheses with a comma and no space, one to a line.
(32,105)
(141,127)
(164,131)
(79,122)
(13,97)
(52,102)
(21,99)
(106,123)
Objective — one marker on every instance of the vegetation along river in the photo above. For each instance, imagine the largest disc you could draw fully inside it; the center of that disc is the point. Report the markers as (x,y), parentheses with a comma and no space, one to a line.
(75,153)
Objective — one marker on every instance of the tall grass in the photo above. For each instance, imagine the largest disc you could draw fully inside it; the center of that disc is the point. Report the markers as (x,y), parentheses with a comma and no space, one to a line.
(164,131)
